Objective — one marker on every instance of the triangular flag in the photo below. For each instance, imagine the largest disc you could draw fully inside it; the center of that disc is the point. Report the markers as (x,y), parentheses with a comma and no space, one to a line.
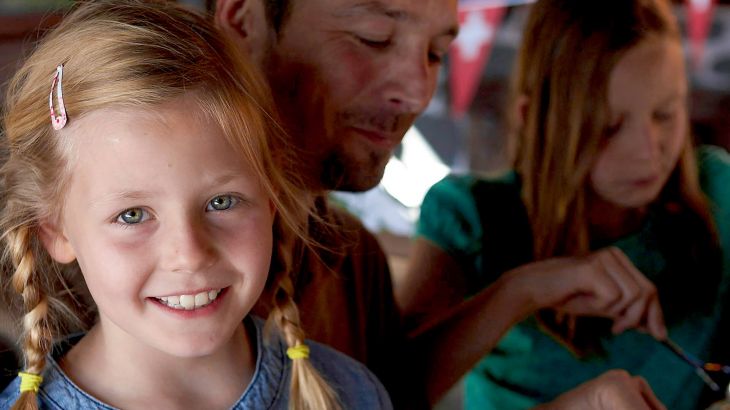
(470,51)
(699,19)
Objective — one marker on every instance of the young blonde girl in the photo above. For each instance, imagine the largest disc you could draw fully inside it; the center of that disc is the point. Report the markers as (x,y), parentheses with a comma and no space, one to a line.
(140,92)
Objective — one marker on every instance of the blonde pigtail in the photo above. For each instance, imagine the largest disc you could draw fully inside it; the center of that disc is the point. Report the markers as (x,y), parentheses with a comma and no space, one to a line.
(308,390)
(37,332)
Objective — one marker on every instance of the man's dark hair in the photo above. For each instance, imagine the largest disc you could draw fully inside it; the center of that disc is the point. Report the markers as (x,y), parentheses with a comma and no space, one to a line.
(276,11)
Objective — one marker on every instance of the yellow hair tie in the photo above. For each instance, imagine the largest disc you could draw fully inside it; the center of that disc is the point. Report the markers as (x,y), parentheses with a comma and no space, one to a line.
(30,382)
(299,351)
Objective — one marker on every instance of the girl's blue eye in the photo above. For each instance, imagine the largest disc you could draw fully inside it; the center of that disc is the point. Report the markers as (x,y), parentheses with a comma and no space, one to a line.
(221,203)
(132,216)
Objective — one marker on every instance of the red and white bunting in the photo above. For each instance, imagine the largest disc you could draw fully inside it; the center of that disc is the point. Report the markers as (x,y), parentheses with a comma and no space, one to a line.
(470,51)
(699,21)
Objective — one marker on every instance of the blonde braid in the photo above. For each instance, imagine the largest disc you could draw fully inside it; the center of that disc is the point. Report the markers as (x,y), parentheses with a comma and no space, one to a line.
(37,332)
(308,390)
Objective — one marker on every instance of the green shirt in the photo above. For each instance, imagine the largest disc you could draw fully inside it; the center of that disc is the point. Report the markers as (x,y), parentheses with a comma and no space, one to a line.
(529,367)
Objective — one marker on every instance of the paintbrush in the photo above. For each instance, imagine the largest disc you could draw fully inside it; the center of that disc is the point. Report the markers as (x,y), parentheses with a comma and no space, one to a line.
(697,364)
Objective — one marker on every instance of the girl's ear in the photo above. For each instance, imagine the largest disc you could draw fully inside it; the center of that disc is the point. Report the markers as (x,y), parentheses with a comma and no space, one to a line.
(521,106)
(272,209)
(56,243)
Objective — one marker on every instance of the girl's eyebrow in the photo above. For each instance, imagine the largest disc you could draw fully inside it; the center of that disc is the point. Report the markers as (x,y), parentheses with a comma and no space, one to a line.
(122,195)
(226,178)
(680,95)
(146,194)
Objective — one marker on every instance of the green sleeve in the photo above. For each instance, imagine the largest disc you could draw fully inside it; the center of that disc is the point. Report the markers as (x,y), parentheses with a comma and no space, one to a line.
(714,165)
(449,217)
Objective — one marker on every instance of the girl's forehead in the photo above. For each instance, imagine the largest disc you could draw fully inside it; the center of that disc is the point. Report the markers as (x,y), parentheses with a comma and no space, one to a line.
(184,109)
(653,70)
(136,147)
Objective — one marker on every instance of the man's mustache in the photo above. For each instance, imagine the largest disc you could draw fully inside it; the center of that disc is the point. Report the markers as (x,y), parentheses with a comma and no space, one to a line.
(382,120)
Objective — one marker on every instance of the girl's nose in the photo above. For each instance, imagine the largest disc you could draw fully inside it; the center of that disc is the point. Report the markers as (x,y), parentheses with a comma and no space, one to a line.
(188,248)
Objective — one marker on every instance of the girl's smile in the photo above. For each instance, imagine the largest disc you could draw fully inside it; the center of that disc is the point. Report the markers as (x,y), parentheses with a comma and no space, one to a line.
(191,305)
(190,300)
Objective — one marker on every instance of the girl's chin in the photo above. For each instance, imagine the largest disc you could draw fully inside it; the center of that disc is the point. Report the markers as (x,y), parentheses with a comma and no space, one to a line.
(199,345)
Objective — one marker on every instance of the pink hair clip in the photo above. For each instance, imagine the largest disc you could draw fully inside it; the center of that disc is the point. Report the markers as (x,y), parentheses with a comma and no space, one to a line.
(59,121)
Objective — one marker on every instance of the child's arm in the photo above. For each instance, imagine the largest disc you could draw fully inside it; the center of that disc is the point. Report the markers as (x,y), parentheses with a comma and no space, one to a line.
(602,284)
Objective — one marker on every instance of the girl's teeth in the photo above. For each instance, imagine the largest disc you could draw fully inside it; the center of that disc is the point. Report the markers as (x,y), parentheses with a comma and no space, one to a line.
(187,302)
(190,302)
(201,299)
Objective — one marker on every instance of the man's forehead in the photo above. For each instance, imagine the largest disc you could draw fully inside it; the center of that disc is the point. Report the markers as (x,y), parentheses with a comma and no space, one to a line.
(384,7)
(440,14)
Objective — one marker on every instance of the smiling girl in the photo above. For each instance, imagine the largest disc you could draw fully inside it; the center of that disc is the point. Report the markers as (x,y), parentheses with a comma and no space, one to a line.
(158,170)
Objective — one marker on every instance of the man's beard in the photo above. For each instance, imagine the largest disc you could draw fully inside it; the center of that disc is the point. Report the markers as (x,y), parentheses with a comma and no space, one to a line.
(341,173)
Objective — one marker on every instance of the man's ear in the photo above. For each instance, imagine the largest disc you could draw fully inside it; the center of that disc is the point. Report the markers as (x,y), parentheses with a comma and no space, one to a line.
(246,25)
(56,243)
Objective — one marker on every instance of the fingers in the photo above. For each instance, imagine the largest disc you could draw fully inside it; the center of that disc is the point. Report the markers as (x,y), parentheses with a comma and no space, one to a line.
(648,394)
(613,390)
(605,284)
(655,320)
(617,389)
(640,306)
(602,286)
(627,278)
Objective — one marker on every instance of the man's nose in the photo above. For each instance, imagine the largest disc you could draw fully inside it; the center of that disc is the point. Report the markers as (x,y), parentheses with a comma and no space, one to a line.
(411,82)
(188,247)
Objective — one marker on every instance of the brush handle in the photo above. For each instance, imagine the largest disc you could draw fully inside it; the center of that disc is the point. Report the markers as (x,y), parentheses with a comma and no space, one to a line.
(693,361)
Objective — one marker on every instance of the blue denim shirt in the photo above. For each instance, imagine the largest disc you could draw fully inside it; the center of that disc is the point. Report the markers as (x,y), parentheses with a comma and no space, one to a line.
(356,387)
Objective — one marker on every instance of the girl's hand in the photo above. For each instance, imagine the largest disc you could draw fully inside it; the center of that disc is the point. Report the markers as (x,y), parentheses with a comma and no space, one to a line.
(613,390)
(604,283)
